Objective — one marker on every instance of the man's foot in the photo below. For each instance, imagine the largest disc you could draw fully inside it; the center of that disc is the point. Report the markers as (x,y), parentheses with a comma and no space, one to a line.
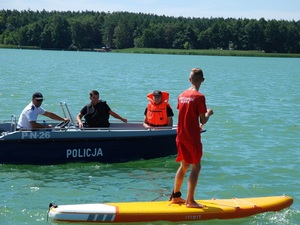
(175,198)
(178,200)
(194,205)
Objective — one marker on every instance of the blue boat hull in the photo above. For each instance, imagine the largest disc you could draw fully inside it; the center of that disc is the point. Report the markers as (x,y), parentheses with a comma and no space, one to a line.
(103,150)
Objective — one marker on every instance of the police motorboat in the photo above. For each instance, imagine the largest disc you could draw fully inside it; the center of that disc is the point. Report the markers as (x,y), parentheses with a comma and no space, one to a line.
(66,143)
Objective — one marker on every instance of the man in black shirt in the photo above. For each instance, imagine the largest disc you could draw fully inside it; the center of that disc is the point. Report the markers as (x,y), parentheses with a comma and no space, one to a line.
(96,113)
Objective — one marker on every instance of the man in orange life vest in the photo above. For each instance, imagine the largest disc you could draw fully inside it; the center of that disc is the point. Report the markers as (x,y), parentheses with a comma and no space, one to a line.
(158,112)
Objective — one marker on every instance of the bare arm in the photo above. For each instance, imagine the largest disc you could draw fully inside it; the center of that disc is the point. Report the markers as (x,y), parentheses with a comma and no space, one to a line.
(146,125)
(78,118)
(205,117)
(54,116)
(117,116)
(170,121)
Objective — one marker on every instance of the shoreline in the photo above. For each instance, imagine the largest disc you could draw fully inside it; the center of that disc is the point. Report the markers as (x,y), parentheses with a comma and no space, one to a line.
(205,52)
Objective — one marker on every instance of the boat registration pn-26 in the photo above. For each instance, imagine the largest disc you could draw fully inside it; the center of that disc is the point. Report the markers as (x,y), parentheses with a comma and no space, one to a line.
(36,135)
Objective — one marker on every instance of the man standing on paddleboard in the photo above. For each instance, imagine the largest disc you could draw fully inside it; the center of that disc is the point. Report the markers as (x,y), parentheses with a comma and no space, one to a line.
(191,106)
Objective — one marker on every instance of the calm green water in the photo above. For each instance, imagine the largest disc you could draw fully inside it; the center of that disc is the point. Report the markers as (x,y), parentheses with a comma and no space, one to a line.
(251,144)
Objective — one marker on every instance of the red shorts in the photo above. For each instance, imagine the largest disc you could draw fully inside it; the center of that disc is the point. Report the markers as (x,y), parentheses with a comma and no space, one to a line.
(190,153)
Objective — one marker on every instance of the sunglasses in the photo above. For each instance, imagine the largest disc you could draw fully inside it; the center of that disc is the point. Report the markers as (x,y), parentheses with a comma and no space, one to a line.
(39,100)
(91,95)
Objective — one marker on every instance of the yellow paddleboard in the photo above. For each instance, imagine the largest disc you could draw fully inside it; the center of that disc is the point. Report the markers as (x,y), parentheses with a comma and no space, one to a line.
(164,211)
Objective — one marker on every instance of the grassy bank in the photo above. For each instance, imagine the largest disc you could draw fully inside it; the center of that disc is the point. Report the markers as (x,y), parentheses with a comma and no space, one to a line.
(18,47)
(205,52)
(213,52)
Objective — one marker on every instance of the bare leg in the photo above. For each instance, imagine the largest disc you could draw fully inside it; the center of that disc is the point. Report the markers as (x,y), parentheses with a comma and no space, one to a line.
(179,177)
(192,183)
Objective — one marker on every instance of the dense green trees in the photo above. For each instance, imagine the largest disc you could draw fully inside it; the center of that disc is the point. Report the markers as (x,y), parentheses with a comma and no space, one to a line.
(89,30)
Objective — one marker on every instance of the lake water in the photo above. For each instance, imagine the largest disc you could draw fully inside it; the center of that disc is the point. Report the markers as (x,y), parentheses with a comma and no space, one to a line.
(251,147)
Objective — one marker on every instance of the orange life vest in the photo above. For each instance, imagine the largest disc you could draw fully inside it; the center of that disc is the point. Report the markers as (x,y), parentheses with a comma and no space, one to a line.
(157,114)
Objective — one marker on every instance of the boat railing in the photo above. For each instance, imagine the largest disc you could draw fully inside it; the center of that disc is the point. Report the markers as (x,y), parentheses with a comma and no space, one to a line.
(13,125)
(8,126)
(67,113)
(114,126)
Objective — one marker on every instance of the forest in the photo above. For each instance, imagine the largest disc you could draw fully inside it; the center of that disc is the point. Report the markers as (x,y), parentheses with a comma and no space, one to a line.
(82,30)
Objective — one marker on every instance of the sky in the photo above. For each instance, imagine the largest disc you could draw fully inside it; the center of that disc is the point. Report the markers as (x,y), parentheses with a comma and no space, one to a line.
(250,9)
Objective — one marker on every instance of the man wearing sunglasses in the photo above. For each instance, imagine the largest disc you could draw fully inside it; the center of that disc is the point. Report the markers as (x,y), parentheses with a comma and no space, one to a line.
(28,117)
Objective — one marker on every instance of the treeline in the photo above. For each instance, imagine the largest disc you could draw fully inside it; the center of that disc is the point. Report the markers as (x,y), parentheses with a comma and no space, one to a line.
(119,30)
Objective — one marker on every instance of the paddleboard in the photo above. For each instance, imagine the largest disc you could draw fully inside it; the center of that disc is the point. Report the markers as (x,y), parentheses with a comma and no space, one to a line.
(164,211)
